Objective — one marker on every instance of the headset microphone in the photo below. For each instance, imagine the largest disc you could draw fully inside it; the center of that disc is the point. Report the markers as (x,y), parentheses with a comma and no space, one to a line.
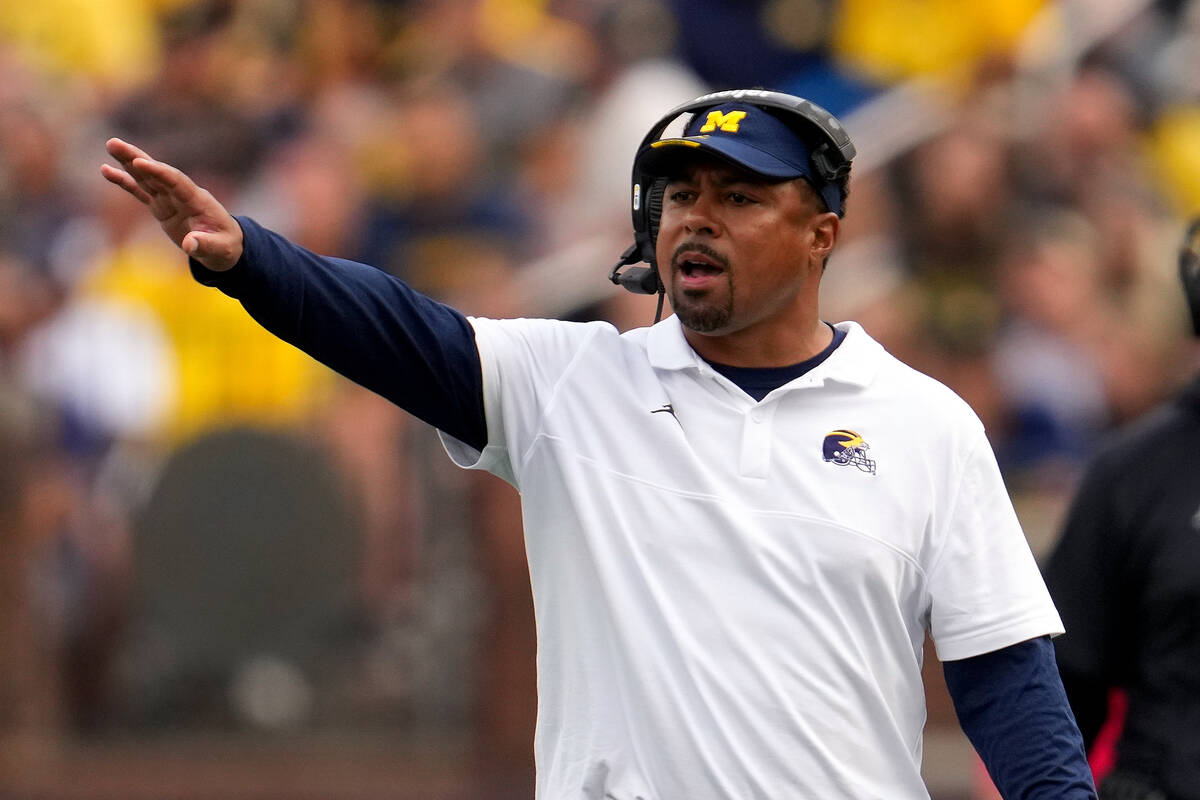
(639,280)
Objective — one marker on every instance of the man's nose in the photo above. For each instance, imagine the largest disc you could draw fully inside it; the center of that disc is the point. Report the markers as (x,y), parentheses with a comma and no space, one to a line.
(701,216)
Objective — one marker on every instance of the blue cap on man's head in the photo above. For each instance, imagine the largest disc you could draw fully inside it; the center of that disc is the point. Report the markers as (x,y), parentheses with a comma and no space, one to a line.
(749,137)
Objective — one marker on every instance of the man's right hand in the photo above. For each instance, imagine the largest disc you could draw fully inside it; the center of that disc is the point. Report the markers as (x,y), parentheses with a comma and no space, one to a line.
(190,215)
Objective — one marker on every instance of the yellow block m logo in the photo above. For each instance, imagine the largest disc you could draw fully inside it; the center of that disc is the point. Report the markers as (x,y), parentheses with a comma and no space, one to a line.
(726,122)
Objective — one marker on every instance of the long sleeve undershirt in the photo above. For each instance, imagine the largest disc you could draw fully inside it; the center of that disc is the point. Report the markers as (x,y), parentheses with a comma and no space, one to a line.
(421,355)
(1012,706)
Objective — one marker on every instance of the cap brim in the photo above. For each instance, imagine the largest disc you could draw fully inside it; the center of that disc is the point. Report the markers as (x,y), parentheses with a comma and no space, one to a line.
(663,156)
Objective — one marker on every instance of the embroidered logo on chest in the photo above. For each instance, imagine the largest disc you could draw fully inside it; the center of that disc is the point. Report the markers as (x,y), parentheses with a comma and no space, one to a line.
(845,447)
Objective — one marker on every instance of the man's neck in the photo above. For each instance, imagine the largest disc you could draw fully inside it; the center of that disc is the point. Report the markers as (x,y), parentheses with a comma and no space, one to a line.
(754,348)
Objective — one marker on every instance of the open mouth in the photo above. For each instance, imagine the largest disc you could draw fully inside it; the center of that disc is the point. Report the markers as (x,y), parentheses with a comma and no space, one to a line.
(692,268)
(698,264)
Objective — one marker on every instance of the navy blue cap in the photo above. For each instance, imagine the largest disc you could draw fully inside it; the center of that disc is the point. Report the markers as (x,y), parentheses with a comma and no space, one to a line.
(746,136)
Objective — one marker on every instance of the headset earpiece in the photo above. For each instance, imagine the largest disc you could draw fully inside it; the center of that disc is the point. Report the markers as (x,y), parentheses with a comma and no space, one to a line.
(654,207)
(829,165)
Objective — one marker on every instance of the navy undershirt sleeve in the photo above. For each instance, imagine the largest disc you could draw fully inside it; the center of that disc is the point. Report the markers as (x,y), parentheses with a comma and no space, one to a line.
(1012,706)
(365,324)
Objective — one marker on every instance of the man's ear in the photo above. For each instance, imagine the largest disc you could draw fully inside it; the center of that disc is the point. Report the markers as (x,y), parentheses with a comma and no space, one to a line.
(825,233)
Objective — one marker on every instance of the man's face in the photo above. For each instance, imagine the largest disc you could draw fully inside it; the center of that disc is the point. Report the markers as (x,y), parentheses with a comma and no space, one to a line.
(734,251)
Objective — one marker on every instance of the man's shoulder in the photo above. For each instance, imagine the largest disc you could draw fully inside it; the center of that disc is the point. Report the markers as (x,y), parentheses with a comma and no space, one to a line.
(549,346)
(916,392)
(925,390)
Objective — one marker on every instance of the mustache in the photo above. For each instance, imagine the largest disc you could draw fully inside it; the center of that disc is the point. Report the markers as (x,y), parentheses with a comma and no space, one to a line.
(703,249)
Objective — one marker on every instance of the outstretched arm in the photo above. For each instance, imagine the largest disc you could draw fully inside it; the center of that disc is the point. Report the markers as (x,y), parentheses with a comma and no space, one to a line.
(189,214)
(361,321)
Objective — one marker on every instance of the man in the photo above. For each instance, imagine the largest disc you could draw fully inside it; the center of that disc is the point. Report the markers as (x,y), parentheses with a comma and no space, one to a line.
(1126,574)
(740,522)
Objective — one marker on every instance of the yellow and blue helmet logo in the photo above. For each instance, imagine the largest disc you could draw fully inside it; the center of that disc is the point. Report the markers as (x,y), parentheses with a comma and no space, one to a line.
(845,447)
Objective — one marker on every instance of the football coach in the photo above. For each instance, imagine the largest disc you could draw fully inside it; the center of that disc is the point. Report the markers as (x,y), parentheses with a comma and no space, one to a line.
(742,521)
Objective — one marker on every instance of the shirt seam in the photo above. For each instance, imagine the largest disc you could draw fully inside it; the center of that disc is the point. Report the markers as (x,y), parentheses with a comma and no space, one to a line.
(911,559)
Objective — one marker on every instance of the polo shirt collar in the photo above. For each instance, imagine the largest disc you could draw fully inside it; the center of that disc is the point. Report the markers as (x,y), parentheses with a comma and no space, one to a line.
(854,362)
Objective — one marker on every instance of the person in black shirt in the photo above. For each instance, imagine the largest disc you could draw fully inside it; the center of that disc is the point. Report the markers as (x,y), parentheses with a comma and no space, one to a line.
(1125,576)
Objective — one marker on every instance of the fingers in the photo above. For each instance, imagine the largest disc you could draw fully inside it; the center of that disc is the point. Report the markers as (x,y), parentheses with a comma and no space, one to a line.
(162,178)
(124,152)
(116,146)
(146,178)
(121,178)
(133,178)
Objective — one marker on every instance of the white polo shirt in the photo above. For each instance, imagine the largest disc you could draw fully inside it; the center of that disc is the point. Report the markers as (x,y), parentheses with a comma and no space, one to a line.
(722,612)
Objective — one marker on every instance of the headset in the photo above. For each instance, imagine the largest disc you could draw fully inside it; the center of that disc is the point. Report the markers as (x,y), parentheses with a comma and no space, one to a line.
(1189,271)
(830,160)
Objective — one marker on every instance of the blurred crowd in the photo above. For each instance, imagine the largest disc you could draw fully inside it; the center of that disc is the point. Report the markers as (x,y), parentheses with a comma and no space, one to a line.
(200,527)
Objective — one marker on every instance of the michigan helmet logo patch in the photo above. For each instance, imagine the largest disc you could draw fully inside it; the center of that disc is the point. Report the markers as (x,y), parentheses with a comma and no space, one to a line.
(845,447)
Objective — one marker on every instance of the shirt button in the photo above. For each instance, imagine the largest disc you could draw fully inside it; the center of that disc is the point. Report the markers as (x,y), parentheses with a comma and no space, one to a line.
(756,416)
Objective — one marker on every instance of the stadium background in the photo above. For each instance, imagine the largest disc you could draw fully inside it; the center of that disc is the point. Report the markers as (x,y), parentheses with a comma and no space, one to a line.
(225,572)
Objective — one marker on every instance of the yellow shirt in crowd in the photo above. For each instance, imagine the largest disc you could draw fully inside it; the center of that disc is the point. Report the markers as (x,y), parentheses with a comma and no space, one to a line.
(228,369)
(893,40)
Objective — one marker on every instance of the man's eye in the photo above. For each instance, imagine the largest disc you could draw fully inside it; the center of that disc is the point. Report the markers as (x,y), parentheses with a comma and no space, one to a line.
(738,199)
(679,196)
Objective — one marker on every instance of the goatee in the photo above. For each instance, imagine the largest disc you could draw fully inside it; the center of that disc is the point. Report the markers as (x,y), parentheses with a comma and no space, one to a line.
(700,317)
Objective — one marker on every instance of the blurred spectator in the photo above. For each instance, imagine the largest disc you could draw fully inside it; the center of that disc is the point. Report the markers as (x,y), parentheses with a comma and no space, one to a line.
(1090,158)
(30,692)
(1095,124)
(36,202)
(1046,355)
(185,110)
(791,42)
(425,222)
(893,40)
(959,193)
(111,43)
